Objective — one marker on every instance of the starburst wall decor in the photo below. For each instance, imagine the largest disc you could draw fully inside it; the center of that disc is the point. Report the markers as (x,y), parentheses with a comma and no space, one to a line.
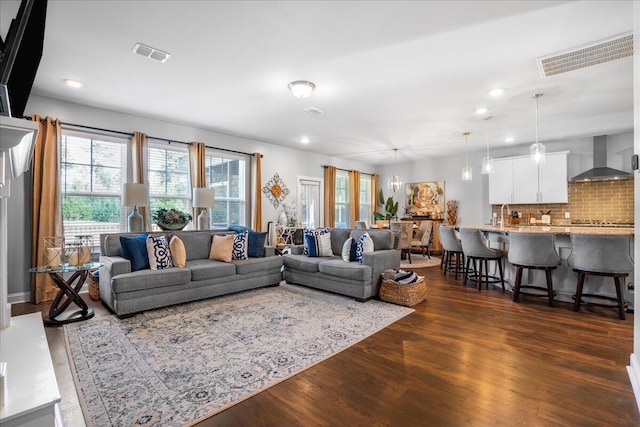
(275,190)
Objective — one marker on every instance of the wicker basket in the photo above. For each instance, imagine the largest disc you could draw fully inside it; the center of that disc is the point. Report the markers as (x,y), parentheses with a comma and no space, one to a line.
(407,295)
(94,287)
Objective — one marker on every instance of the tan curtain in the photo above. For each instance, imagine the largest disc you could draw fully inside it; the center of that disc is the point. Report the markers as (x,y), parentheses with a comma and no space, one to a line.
(257,189)
(354,197)
(140,145)
(197,173)
(46,211)
(374,195)
(329,196)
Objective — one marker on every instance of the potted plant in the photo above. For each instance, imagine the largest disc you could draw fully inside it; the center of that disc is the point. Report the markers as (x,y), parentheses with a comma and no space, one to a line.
(390,207)
(171,219)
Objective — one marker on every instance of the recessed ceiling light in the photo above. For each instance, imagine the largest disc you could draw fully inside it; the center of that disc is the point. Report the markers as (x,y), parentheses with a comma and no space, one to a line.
(73,83)
(496,92)
(301,88)
(509,139)
(482,110)
(304,140)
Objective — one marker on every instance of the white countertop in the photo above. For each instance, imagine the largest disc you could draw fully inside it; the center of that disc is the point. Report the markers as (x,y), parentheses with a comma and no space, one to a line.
(557,229)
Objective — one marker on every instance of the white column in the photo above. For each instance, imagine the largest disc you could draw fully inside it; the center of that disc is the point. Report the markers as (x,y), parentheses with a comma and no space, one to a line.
(5,307)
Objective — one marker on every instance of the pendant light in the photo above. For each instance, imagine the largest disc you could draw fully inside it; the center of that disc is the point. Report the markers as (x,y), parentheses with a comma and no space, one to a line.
(537,150)
(395,183)
(467,171)
(487,162)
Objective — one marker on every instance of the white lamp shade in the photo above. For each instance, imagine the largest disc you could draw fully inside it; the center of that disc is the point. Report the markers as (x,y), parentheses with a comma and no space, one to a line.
(204,197)
(135,194)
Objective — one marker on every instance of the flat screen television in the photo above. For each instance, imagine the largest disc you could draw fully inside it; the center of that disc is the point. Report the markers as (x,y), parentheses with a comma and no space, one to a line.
(20,56)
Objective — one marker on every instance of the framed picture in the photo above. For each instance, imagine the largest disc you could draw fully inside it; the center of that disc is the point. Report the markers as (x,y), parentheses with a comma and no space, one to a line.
(425,199)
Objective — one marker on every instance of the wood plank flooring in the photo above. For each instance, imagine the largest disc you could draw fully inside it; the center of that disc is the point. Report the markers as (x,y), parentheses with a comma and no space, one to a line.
(463,358)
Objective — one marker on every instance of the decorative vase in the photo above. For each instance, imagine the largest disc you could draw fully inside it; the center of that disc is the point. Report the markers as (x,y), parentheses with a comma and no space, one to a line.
(282,220)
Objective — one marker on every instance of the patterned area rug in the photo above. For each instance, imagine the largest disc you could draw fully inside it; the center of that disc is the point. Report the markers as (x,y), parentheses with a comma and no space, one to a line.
(178,365)
(418,261)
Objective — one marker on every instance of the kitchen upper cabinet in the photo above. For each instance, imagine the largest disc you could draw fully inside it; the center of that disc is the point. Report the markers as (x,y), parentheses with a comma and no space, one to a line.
(517,180)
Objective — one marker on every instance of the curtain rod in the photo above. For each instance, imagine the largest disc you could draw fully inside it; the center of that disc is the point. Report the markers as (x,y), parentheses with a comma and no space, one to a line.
(152,137)
(347,170)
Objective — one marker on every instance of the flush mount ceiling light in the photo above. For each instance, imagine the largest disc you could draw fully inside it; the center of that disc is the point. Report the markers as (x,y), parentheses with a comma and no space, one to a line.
(537,150)
(467,171)
(496,92)
(395,183)
(301,88)
(150,52)
(481,110)
(304,140)
(509,139)
(487,162)
(73,83)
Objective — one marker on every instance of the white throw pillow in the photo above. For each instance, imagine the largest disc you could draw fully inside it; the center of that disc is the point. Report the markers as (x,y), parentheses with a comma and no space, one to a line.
(349,250)
(159,253)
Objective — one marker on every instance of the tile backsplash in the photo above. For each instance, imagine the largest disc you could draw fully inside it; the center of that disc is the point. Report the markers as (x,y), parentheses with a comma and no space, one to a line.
(610,201)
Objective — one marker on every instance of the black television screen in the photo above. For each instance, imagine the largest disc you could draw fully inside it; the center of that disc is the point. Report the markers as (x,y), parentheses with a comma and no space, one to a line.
(21,55)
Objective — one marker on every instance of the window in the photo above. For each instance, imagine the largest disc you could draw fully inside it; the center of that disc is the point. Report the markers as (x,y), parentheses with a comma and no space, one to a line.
(92,172)
(228,176)
(342,200)
(366,210)
(309,202)
(168,174)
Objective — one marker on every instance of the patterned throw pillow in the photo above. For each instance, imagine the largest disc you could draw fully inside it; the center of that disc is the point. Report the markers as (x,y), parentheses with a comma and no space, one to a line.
(178,252)
(159,253)
(319,245)
(349,250)
(365,244)
(240,246)
(221,247)
(312,232)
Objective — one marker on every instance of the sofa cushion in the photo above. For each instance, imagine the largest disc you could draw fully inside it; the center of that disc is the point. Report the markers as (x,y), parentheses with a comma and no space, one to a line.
(203,269)
(254,265)
(178,252)
(351,271)
(149,279)
(303,262)
(196,244)
(382,239)
(222,248)
(256,244)
(134,248)
(338,237)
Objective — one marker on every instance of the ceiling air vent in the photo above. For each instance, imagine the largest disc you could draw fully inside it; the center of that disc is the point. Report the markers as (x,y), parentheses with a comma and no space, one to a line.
(314,110)
(150,52)
(600,51)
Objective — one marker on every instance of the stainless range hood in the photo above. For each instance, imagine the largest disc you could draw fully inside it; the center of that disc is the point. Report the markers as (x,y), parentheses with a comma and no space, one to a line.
(600,171)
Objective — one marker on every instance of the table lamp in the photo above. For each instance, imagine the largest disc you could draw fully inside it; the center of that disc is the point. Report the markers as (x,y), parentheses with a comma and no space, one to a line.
(204,198)
(135,195)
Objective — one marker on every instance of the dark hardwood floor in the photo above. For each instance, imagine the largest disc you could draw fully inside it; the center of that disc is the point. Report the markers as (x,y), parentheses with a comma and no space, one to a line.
(463,358)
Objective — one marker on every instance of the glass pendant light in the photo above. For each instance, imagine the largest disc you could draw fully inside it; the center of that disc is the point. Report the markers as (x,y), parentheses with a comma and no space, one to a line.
(487,162)
(395,183)
(467,171)
(537,150)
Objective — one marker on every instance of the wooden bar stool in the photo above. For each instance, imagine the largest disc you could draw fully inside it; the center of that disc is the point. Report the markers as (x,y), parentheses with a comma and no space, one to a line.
(475,249)
(601,255)
(452,250)
(533,251)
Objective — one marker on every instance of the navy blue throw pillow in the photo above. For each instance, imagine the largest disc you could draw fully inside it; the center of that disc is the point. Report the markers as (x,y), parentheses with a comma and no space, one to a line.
(134,249)
(256,244)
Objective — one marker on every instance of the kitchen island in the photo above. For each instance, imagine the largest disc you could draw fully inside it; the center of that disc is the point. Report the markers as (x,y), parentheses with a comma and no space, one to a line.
(564,278)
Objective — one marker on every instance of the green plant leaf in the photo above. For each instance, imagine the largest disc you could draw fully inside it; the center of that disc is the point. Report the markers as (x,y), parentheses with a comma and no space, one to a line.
(380,197)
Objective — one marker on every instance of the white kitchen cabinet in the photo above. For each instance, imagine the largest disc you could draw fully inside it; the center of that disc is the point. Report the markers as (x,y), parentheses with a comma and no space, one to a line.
(517,180)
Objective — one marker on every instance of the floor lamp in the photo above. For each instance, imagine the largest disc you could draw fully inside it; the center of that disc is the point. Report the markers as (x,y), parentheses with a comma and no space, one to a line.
(135,195)
(204,198)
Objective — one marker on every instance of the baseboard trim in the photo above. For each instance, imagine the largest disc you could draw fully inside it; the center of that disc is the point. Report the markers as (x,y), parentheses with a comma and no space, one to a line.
(634,376)
(19,297)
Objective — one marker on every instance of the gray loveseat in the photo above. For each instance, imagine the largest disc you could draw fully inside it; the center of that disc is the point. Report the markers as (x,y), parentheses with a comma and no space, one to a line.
(127,292)
(360,281)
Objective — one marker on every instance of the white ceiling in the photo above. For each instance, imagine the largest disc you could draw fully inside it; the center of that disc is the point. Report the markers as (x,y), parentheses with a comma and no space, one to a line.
(405,75)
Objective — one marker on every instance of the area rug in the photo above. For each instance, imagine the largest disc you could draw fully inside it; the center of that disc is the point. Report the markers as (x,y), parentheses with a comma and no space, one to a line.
(178,365)
(418,261)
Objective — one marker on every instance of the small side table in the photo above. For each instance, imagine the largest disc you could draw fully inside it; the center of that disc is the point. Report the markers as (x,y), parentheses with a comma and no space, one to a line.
(68,294)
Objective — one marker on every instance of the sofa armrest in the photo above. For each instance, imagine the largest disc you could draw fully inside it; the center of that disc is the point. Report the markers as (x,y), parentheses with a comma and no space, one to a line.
(296,249)
(269,251)
(113,266)
(379,261)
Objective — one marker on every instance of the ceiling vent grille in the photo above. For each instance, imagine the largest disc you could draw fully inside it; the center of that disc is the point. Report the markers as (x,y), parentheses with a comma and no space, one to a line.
(605,50)
(150,52)
(314,110)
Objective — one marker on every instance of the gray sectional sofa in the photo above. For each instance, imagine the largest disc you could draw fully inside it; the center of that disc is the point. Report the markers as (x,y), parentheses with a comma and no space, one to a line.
(127,292)
(358,280)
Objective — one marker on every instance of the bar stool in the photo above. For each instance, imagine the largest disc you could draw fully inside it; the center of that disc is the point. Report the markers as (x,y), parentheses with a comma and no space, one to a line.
(533,251)
(475,249)
(452,248)
(600,255)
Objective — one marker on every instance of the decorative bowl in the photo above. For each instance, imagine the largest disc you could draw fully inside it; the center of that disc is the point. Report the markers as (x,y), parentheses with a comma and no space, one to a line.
(171,227)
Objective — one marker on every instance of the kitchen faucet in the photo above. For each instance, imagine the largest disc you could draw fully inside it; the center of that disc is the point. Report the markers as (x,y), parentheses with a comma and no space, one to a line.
(502,213)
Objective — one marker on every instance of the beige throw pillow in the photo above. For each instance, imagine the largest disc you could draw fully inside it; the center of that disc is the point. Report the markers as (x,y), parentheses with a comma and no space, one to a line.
(178,252)
(222,247)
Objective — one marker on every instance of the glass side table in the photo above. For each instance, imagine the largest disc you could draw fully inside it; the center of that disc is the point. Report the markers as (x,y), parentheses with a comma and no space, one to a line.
(69,288)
